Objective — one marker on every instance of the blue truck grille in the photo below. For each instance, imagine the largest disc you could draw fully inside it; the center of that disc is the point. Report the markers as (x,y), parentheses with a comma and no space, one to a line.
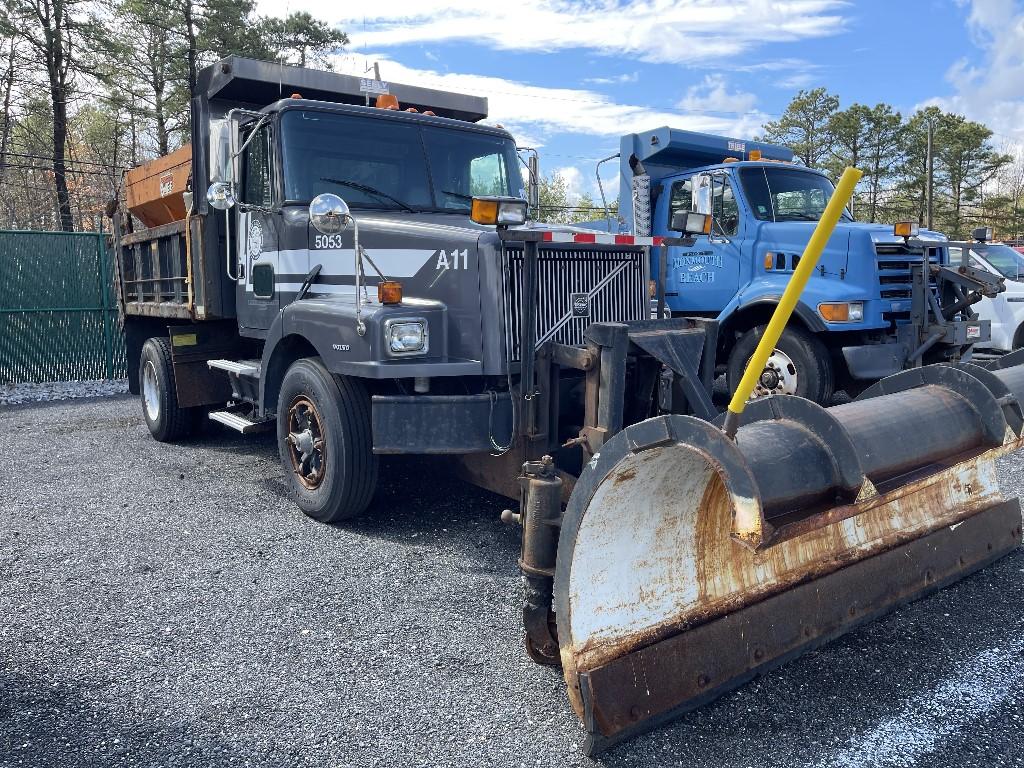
(894,278)
(614,282)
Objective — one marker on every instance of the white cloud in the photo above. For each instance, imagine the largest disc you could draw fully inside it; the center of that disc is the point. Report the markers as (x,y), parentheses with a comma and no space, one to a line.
(532,112)
(991,89)
(575,186)
(626,77)
(713,95)
(676,31)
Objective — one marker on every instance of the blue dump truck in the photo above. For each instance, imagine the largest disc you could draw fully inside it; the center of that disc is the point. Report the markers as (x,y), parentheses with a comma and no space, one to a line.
(859,319)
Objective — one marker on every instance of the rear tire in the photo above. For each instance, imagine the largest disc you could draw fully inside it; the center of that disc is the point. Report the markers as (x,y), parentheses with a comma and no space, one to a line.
(811,363)
(325,441)
(166,420)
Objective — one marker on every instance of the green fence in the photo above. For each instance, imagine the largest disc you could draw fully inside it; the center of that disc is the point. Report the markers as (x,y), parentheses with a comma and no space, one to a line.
(58,318)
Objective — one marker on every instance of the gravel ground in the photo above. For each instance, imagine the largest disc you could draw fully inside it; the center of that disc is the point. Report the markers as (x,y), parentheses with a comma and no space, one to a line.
(14,394)
(167,606)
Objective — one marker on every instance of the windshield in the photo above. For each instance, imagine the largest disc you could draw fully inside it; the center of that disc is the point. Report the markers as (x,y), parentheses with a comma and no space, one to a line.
(787,194)
(1005,259)
(393,165)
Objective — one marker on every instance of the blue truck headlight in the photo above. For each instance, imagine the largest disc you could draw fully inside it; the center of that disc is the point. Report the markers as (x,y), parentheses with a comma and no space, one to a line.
(406,337)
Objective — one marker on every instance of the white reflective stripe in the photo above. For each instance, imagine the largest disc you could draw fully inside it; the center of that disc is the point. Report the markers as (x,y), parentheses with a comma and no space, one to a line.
(393,262)
(562,237)
(319,288)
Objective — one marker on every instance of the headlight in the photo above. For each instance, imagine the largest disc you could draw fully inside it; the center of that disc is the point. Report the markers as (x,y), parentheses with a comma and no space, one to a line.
(406,337)
(503,211)
(842,311)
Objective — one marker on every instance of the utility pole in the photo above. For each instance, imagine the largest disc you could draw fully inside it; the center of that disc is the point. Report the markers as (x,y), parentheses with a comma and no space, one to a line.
(929,177)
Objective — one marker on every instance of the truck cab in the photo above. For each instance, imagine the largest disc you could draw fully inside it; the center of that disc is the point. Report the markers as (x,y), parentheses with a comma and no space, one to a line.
(845,332)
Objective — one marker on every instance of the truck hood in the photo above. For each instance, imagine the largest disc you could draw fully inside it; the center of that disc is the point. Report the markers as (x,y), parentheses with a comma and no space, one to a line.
(848,235)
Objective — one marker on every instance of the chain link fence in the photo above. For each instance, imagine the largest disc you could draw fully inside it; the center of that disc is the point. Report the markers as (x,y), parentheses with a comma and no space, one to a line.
(58,316)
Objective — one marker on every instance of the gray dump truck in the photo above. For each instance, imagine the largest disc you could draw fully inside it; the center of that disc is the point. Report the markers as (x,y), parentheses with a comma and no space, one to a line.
(362,280)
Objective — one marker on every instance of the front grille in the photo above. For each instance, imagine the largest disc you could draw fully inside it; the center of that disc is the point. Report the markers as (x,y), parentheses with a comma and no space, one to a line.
(894,263)
(614,280)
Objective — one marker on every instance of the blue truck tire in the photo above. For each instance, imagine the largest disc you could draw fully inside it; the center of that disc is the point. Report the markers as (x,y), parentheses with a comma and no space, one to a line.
(805,363)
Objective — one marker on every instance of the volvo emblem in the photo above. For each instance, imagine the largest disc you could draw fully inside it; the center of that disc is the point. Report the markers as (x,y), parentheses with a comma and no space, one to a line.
(580,304)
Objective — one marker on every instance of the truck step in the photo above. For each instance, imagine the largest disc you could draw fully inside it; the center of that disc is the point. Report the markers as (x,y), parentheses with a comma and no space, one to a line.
(241,423)
(237,367)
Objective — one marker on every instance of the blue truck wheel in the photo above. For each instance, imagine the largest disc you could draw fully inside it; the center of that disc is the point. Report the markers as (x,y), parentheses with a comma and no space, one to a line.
(800,366)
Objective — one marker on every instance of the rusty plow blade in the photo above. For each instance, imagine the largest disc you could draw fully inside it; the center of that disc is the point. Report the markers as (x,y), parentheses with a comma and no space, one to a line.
(689,563)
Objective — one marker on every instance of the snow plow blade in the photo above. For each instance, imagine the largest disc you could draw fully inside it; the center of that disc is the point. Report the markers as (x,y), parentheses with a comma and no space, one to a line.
(688,563)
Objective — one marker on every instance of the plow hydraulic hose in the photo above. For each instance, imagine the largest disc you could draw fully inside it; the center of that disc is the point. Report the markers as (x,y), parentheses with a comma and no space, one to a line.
(809,260)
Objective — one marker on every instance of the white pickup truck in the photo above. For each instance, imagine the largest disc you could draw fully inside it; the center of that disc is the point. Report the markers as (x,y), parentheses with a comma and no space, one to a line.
(1006,311)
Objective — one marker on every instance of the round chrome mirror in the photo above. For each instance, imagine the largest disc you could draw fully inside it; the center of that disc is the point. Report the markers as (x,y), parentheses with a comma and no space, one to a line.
(329,214)
(220,196)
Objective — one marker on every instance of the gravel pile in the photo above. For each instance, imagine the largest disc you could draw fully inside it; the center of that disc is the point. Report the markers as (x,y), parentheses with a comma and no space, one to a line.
(15,394)
(167,605)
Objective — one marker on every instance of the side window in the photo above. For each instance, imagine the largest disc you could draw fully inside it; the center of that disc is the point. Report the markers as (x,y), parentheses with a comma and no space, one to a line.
(258,189)
(487,175)
(725,212)
(680,198)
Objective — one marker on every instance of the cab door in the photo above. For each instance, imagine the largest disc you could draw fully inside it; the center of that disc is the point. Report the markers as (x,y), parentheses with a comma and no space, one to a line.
(257,295)
(705,276)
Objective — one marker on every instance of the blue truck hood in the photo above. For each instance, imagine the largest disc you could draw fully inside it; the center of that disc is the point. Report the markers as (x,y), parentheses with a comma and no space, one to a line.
(851,239)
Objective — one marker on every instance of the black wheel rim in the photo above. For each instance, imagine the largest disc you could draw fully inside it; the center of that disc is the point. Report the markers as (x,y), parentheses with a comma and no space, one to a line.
(306,443)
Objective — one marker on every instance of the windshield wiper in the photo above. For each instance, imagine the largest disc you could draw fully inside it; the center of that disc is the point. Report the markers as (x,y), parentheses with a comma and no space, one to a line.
(369,190)
(457,194)
(796,217)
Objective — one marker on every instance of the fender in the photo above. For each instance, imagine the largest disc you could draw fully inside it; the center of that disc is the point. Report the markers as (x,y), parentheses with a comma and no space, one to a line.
(326,326)
(807,315)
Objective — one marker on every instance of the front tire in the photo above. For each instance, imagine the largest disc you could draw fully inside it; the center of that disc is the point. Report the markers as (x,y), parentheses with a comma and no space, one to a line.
(800,365)
(167,421)
(325,441)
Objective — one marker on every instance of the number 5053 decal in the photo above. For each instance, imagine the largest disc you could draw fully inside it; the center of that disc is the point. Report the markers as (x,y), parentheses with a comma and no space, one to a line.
(327,241)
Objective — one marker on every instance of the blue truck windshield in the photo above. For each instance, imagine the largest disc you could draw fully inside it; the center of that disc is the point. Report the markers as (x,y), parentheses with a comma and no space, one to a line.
(786,193)
(391,165)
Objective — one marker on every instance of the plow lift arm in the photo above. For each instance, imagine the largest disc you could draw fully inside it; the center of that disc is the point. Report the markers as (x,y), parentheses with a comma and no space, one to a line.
(941,293)
(695,552)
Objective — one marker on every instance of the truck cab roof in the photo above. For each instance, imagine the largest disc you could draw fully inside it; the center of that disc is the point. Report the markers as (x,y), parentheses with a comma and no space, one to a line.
(386,114)
(236,81)
(740,164)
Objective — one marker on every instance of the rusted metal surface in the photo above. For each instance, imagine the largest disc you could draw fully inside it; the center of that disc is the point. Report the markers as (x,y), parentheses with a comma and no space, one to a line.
(642,688)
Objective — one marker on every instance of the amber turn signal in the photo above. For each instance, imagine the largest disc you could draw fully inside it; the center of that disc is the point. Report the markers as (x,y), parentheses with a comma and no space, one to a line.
(484,211)
(389,292)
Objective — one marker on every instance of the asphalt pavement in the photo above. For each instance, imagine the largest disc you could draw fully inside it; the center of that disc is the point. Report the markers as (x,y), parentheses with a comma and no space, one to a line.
(167,606)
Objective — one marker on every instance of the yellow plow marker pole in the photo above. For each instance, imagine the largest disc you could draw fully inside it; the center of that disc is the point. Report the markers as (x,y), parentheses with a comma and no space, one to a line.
(809,260)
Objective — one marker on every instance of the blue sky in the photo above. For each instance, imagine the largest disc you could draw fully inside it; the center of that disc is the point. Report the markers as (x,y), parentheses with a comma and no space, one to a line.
(569,78)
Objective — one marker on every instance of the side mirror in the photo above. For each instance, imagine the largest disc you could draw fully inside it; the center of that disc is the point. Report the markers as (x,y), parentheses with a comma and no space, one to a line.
(220,149)
(702,193)
(220,196)
(691,223)
(329,214)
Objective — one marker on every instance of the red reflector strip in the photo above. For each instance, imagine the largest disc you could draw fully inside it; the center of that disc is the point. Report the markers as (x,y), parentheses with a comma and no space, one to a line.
(603,239)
